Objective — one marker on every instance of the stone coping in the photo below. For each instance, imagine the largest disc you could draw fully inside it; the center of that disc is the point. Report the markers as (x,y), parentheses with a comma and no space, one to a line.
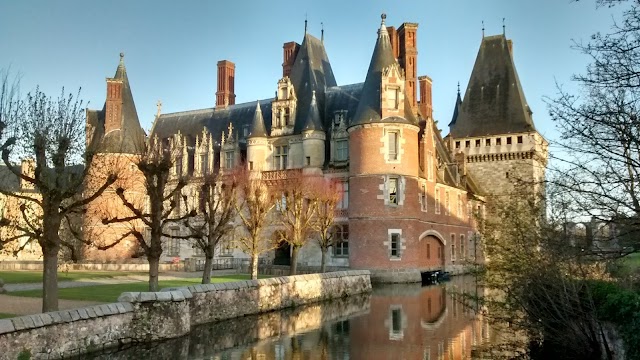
(183,293)
(63,316)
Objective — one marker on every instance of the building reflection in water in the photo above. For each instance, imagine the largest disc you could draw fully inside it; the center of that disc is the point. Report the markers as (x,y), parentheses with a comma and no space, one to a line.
(394,322)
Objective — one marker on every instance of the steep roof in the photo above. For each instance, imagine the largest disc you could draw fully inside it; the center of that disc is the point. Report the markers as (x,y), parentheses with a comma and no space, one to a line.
(311,72)
(130,137)
(370,107)
(313,116)
(494,102)
(456,108)
(257,125)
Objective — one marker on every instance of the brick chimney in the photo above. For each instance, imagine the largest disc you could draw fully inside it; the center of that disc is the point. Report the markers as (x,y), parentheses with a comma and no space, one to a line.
(393,37)
(113,114)
(426,100)
(290,51)
(225,95)
(408,59)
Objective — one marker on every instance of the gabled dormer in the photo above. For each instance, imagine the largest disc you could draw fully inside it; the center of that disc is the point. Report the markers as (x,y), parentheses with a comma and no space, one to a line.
(392,91)
(204,152)
(229,149)
(284,108)
(339,139)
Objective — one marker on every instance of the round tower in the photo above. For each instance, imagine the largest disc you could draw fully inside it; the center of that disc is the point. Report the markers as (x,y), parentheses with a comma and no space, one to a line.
(383,168)
(313,137)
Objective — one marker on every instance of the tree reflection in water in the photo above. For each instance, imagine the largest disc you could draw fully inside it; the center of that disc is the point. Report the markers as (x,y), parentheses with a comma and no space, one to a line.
(393,322)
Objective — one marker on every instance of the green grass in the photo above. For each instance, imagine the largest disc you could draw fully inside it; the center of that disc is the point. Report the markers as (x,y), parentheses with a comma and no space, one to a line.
(19,277)
(4,315)
(110,293)
(632,261)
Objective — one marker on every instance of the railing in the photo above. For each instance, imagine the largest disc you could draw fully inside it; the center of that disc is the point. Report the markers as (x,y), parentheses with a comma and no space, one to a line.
(281,174)
(229,263)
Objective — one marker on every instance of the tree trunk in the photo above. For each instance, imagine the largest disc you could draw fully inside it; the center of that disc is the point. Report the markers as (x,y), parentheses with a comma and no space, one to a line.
(323,260)
(206,273)
(294,260)
(154,264)
(253,268)
(50,279)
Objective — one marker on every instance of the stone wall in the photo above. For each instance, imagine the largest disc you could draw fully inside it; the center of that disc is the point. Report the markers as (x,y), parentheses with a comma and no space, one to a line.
(171,313)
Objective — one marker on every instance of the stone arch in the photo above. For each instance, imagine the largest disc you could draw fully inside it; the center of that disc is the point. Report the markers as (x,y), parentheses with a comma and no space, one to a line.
(433,233)
(434,246)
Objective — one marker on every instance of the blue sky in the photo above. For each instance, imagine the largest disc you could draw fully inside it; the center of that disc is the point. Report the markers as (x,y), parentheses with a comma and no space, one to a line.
(171,47)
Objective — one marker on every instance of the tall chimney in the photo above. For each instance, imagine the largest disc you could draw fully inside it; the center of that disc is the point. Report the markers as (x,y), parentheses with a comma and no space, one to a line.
(225,95)
(408,59)
(113,115)
(393,37)
(290,51)
(426,100)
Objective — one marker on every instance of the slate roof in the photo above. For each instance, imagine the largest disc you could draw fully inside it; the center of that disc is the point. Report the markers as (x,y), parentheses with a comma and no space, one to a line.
(494,102)
(369,107)
(130,137)
(257,125)
(313,116)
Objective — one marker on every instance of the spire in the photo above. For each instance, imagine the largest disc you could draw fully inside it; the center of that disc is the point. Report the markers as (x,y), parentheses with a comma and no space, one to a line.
(504,28)
(456,108)
(483,29)
(313,120)
(494,102)
(257,125)
(370,106)
(322,32)
(305,24)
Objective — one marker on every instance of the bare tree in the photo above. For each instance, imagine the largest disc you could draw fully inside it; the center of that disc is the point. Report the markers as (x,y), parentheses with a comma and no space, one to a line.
(327,199)
(161,208)
(254,210)
(52,133)
(216,212)
(297,209)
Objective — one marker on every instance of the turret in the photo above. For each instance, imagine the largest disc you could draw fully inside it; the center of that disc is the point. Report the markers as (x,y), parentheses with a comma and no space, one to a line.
(313,137)
(257,142)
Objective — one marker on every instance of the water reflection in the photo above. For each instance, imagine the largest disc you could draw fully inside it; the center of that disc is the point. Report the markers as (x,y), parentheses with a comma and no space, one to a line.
(393,322)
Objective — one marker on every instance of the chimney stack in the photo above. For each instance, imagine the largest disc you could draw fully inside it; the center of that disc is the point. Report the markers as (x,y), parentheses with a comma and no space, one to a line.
(290,51)
(225,95)
(426,100)
(113,115)
(408,59)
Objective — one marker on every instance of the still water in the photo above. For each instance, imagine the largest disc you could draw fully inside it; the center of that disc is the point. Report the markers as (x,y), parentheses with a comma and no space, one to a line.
(393,322)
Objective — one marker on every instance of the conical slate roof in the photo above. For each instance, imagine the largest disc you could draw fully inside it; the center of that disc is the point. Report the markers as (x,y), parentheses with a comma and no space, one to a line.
(313,116)
(257,125)
(311,72)
(456,109)
(494,102)
(370,107)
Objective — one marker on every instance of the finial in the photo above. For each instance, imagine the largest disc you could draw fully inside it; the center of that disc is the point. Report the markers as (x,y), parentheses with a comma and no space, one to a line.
(159,105)
(503,27)
(305,23)
(483,29)
(458,87)
(383,27)
(383,17)
(230,130)
(322,31)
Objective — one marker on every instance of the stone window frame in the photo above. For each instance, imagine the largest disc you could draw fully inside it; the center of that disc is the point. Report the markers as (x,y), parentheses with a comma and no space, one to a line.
(341,243)
(345,150)
(401,244)
(229,159)
(437,200)
(453,247)
(384,188)
(423,197)
(396,91)
(203,163)
(462,246)
(343,189)
(385,151)
(281,158)
(172,244)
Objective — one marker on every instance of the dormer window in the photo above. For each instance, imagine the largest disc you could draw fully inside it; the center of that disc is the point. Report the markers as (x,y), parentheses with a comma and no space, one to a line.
(287,116)
(342,150)
(229,159)
(393,97)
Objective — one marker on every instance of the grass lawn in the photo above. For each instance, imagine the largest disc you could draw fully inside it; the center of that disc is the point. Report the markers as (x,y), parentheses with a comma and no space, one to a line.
(4,316)
(110,293)
(18,277)
(632,261)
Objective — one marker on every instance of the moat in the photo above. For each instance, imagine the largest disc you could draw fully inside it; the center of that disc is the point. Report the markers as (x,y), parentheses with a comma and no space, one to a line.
(392,322)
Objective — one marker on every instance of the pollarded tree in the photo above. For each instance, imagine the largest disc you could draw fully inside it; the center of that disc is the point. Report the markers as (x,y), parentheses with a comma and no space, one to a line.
(297,209)
(327,199)
(254,211)
(216,213)
(163,198)
(52,133)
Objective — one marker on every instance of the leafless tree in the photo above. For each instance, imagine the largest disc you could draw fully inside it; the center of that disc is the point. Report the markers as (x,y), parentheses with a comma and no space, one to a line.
(216,213)
(161,208)
(327,199)
(51,132)
(254,210)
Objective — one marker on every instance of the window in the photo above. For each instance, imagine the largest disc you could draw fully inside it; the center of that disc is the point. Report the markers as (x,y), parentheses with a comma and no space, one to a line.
(487,142)
(308,160)
(395,245)
(457,144)
(179,165)
(428,251)
(287,117)
(459,211)
(393,100)
(447,210)
(467,144)
(498,141)
(453,247)
(343,189)
(226,248)
(437,201)
(202,198)
(342,150)
(508,140)
(393,137)
(396,322)
(341,240)
(197,251)
(280,157)
(478,143)
(245,131)
(462,242)
(172,244)
(229,160)
(204,164)
(520,139)
(393,191)
(423,197)
(281,204)
(250,165)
